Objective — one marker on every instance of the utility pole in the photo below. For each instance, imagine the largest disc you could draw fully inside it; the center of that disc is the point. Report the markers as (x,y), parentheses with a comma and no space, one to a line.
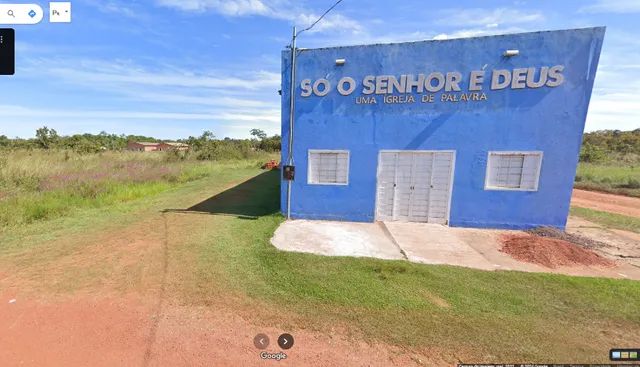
(292,105)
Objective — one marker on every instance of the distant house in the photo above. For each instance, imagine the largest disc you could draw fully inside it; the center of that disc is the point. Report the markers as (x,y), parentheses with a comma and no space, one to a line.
(173,146)
(141,146)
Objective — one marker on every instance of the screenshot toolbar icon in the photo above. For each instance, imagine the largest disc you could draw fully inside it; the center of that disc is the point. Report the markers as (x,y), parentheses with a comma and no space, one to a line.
(60,12)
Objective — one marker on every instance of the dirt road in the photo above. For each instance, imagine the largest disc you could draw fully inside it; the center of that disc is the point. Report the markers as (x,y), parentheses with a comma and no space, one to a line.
(114,297)
(125,331)
(606,202)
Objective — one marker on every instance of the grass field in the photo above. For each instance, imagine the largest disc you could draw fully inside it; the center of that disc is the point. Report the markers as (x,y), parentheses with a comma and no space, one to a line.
(618,179)
(38,185)
(220,254)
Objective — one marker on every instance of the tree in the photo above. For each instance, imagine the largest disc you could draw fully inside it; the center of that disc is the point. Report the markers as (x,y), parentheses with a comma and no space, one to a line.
(47,138)
(204,142)
(261,135)
(207,136)
(592,154)
(270,144)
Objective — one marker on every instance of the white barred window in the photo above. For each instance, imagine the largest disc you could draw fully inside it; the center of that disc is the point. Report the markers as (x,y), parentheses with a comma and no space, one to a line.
(328,167)
(513,171)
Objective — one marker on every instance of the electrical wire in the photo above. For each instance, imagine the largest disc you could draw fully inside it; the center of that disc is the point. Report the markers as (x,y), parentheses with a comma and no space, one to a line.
(322,16)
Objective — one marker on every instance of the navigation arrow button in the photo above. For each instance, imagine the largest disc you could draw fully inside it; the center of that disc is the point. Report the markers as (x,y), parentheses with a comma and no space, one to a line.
(261,341)
(285,341)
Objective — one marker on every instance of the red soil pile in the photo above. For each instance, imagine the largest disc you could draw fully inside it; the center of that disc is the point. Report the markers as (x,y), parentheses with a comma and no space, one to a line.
(550,252)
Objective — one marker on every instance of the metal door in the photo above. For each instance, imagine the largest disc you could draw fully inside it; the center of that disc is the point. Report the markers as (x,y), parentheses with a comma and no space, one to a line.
(386,185)
(403,187)
(414,186)
(440,193)
(420,186)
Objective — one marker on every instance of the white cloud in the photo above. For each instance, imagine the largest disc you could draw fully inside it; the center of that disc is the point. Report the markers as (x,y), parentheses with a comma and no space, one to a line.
(289,10)
(476,32)
(619,111)
(118,9)
(201,100)
(612,6)
(147,94)
(115,7)
(103,72)
(166,125)
(121,75)
(615,103)
(329,22)
(367,38)
(488,17)
(10,111)
(225,7)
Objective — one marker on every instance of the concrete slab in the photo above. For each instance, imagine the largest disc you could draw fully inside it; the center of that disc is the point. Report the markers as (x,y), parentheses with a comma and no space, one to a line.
(336,239)
(436,244)
(480,249)
(618,245)
(427,244)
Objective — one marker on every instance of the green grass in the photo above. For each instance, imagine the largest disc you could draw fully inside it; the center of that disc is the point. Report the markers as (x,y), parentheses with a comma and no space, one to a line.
(495,315)
(43,206)
(121,207)
(39,185)
(219,255)
(609,220)
(617,179)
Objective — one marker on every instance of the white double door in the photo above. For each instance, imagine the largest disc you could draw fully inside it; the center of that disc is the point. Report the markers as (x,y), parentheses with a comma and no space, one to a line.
(414,186)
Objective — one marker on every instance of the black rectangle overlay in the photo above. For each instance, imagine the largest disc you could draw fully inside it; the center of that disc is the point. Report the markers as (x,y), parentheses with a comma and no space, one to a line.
(7,51)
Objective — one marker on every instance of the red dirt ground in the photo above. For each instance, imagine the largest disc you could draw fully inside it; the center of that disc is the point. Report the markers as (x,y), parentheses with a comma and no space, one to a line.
(123,331)
(149,324)
(549,252)
(618,204)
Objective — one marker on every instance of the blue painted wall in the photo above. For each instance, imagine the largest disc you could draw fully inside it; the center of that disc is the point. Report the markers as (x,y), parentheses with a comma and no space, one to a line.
(545,119)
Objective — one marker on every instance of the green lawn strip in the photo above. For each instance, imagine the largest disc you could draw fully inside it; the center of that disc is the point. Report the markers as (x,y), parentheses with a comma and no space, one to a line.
(508,315)
(611,178)
(598,187)
(609,220)
(499,312)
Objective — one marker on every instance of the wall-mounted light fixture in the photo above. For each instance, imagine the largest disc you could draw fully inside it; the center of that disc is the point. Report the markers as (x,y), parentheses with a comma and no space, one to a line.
(511,53)
(340,62)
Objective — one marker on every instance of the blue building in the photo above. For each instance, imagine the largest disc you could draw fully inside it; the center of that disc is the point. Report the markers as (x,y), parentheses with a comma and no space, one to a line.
(475,132)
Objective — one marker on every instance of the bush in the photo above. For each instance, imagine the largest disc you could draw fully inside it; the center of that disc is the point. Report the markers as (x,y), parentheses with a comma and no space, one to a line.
(176,155)
(220,150)
(592,154)
(632,183)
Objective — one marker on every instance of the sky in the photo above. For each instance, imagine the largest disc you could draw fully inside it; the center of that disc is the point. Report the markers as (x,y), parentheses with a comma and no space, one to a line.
(174,68)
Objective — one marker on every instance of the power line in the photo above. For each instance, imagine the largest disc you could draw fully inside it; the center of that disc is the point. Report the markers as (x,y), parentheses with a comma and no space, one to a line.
(322,16)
